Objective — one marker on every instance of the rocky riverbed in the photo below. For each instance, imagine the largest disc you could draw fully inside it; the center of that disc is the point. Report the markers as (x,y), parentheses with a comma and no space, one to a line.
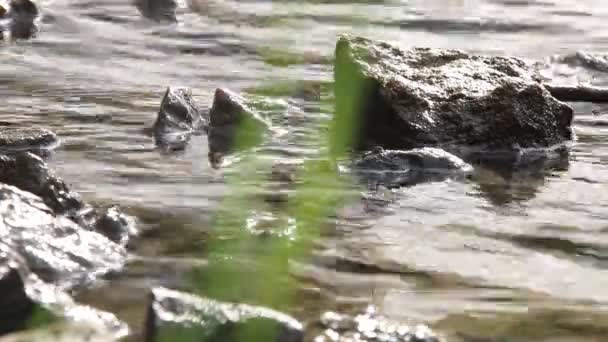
(182,170)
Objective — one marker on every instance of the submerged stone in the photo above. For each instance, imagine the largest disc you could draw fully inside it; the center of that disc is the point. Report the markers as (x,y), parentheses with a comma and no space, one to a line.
(172,314)
(14,139)
(370,327)
(178,118)
(393,168)
(232,125)
(402,99)
(158,10)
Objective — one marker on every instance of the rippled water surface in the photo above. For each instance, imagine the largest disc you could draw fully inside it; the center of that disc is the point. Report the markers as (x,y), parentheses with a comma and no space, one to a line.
(515,256)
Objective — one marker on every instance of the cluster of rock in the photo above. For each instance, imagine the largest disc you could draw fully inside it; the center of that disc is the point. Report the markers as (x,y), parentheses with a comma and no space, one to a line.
(415,116)
(50,239)
(230,124)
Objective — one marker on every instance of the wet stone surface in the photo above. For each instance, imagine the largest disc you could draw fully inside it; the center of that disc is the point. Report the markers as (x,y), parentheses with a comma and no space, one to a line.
(178,118)
(54,247)
(433,97)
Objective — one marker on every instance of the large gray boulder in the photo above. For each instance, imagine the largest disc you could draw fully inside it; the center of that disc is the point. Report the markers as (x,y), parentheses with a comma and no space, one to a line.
(402,99)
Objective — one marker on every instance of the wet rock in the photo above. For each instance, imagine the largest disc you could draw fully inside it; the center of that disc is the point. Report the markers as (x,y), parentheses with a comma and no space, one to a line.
(29,172)
(397,168)
(158,10)
(116,226)
(370,327)
(25,294)
(14,139)
(232,125)
(404,99)
(22,15)
(172,313)
(54,247)
(178,118)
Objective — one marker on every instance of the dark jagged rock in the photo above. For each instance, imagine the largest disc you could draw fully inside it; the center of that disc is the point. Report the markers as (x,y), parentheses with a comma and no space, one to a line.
(404,99)
(232,125)
(54,247)
(397,168)
(370,327)
(26,139)
(23,15)
(172,313)
(29,172)
(158,10)
(24,293)
(16,306)
(178,118)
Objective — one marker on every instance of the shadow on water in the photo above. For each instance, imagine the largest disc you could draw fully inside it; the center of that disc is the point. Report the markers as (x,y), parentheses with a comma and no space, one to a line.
(516,177)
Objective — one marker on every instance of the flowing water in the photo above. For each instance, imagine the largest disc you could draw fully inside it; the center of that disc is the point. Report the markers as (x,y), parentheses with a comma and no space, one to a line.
(512,256)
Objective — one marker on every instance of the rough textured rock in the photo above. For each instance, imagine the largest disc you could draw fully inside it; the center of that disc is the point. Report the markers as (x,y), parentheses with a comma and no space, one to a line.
(14,139)
(404,99)
(232,125)
(22,15)
(396,168)
(54,247)
(370,327)
(178,118)
(172,314)
(158,10)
